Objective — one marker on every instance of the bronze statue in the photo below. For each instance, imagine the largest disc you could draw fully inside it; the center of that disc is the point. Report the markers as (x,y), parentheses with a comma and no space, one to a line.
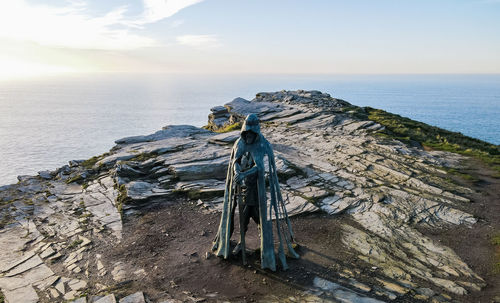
(246,188)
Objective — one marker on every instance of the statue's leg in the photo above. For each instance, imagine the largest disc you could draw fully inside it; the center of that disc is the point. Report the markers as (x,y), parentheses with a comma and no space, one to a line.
(245,217)
(254,213)
(268,259)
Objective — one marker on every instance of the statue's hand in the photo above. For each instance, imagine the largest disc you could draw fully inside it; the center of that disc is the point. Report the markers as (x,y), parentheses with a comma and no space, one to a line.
(238,177)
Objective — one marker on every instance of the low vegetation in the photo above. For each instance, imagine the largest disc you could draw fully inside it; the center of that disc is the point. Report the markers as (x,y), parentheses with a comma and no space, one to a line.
(121,198)
(144,156)
(89,163)
(495,240)
(229,128)
(198,194)
(461,174)
(407,130)
(77,178)
(75,244)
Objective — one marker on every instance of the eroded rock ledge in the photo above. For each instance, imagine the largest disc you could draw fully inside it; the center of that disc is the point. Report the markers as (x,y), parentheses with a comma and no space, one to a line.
(329,160)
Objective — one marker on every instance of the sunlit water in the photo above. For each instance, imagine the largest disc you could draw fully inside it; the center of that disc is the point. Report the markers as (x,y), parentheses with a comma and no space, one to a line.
(45,123)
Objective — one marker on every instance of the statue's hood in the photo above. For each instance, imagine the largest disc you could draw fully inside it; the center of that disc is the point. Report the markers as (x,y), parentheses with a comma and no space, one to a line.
(251,124)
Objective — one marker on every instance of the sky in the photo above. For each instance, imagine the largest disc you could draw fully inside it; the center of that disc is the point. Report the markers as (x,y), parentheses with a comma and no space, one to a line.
(253,36)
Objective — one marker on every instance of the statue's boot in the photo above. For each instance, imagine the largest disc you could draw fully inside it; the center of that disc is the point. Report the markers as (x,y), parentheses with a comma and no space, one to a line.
(237,249)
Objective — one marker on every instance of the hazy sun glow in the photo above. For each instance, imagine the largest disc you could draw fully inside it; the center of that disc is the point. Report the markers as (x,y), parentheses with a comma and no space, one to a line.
(14,69)
(39,37)
(27,28)
(68,27)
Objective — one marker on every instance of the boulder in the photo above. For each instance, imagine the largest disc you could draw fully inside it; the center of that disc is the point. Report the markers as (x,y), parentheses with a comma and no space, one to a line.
(243,107)
(137,297)
(169,131)
(199,170)
(46,174)
(225,138)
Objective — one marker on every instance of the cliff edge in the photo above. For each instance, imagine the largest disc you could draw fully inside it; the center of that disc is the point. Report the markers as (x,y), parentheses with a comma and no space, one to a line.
(384,209)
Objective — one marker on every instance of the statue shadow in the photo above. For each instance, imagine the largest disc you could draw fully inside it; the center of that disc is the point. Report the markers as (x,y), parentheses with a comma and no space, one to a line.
(301,272)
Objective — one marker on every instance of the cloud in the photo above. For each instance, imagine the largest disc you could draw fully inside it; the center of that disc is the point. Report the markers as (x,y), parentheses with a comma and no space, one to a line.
(199,41)
(176,23)
(68,26)
(72,26)
(156,10)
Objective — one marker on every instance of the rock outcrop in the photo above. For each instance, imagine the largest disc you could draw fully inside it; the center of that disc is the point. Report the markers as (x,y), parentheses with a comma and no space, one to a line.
(329,160)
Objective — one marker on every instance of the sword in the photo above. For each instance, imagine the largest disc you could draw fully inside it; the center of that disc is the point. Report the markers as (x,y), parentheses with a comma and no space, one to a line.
(240,193)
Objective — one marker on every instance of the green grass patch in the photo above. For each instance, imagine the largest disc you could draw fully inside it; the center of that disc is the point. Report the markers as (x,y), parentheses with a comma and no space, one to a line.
(121,198)
(75,243)
(497,268)
(225,129)
(76,178)
(144,156)
(460,174)
(229,128)
(198,194)
(495,240)
(355,111)
(85,215)
(406,130)
(2,297)
(89,163)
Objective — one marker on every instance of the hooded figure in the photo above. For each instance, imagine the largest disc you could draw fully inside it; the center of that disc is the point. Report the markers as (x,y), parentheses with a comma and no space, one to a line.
(247,169)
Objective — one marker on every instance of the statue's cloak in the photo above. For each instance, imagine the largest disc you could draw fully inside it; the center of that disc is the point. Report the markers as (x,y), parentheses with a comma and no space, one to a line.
(269,209)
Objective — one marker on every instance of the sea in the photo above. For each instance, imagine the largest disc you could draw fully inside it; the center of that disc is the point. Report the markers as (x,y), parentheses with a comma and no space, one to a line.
(45,122)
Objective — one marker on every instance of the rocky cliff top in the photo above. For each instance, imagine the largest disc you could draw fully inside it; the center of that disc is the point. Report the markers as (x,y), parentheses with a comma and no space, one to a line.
(368,211)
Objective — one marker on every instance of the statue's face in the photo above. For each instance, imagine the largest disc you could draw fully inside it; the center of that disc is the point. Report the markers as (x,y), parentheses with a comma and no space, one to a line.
(250,137)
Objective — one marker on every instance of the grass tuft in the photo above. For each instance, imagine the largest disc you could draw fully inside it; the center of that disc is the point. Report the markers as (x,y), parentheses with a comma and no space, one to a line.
(75,243)
(495,240)
(229,128)
(144,156)
(76,178)
(121,198)
(89,163)
(462,175)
